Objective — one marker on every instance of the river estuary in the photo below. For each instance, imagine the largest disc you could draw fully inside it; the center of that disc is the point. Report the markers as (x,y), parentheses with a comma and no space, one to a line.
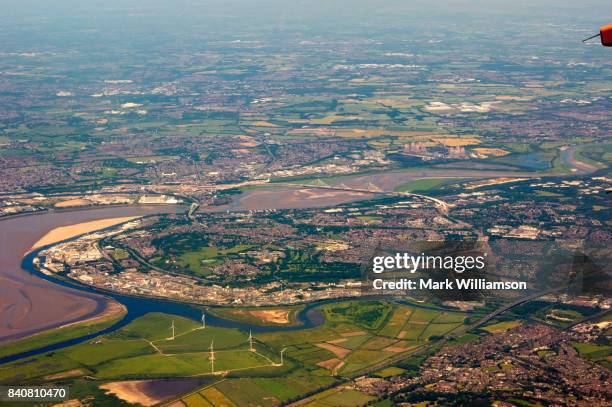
(32,302)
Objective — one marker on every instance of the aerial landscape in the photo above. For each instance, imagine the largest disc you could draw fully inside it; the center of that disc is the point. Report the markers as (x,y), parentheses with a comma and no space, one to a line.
(194,194)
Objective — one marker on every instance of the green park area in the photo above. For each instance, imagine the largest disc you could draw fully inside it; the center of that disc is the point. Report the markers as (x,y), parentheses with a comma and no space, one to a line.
(194,253)
(201,260)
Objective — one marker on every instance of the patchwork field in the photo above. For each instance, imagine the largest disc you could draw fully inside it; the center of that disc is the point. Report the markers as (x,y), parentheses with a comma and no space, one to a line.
(338,397)
(146,349)
(359,334)
(356,337)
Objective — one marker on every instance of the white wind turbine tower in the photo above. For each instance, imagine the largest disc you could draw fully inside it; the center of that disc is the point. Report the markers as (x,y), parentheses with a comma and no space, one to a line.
(203,320)
(212,357)
(172,327)
(251,348)
(282,351)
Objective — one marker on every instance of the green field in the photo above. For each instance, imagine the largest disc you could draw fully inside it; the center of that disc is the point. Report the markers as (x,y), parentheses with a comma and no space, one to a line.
(57,335)
(426,184)
(396,322)
(365,314)
(338,397)
(449,317)
(268,391)
(598,353)
(145,348)
(465,338)
(105,350)
(196,261)
(389,372)
(200,339)
(424,315)
(197,400)
(201,261)
(153,327)
(153,365)
(434,329)
(413,331)
(502,326)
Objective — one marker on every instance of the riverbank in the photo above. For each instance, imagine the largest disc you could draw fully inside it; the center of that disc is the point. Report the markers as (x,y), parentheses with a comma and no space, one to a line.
(110,316)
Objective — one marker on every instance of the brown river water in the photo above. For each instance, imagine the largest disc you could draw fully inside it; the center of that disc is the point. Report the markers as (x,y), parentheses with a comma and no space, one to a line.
(29,304)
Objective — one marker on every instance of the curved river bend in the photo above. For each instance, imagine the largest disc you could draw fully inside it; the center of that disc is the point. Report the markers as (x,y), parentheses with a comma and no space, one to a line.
(29,304)
(136,307)
(21,271)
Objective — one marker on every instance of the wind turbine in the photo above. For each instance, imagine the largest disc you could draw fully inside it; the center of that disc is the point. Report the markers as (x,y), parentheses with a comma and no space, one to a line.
(282,351)
(251,348)
(203,320)
(172,327)
(212,357)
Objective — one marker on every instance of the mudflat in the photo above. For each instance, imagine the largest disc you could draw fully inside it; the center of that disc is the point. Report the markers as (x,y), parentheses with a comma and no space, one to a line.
(132,392)
(29,304)
(152,392)
(290,198)
(66,232)
(388,180)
